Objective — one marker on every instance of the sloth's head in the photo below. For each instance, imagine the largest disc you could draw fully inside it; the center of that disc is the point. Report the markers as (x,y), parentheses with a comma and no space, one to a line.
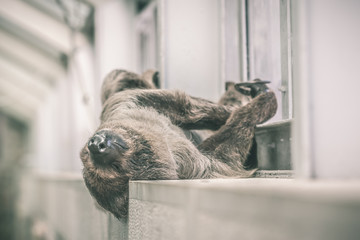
(116,152)
(114,156)
(106,171)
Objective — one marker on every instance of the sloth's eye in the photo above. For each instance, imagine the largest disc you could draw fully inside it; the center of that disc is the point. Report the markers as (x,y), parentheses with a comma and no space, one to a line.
(118,141)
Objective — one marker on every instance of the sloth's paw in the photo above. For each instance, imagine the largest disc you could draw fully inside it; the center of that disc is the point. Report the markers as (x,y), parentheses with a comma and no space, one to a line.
(252,88)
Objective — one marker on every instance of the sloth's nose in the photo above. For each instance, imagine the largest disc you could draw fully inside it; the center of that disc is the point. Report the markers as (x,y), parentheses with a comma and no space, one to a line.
(97,144)
(105,147)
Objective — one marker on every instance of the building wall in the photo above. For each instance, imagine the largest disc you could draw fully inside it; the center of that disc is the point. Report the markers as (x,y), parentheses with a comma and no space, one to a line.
(325,37)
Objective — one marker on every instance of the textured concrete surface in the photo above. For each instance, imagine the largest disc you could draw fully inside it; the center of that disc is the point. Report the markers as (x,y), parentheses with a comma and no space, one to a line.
(259,208)
(244,209)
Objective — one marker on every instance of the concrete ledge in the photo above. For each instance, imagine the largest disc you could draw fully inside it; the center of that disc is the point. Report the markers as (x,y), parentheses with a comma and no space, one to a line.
(257,208)
(274,174)
(244,209)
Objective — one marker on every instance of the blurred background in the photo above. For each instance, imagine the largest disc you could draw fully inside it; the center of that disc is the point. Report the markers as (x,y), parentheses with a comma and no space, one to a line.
(54,55)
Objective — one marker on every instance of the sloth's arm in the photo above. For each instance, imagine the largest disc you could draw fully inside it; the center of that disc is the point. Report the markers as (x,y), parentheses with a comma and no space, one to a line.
(183,110)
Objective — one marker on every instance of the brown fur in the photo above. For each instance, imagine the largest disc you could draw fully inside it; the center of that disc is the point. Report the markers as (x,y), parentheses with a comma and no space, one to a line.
(148,127)
(232,97)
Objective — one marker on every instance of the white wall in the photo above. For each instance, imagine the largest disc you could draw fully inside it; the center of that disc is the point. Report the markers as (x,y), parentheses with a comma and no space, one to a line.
(190,46)
(83,116)
(66,118)
(114,36)
(70,115)
(327,82)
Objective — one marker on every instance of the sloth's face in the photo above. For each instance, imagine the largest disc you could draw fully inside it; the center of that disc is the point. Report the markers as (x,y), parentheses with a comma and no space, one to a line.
(106,172)
(105,147)
(115,155)
(106,155)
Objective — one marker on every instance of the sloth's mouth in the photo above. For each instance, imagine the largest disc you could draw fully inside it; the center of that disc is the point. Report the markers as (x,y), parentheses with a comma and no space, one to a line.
(105,147)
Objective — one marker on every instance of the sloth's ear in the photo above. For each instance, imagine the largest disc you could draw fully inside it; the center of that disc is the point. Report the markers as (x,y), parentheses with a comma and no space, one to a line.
(156,79)
(152,77)
(228,85)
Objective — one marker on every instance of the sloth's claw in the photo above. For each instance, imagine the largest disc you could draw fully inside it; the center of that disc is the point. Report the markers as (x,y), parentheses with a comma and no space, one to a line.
(252,88)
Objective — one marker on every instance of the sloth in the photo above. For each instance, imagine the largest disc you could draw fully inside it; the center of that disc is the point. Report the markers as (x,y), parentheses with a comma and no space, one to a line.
(144,135)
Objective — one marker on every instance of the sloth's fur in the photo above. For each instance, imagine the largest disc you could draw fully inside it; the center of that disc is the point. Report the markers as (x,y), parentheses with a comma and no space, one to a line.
(151,126)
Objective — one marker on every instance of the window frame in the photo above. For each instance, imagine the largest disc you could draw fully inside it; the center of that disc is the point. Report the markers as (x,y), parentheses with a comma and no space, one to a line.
(146,31)
(234,29)
(274,134)
(285,53)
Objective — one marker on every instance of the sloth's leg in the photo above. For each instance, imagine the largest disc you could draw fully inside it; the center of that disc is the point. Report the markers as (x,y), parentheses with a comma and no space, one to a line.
(231,144)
